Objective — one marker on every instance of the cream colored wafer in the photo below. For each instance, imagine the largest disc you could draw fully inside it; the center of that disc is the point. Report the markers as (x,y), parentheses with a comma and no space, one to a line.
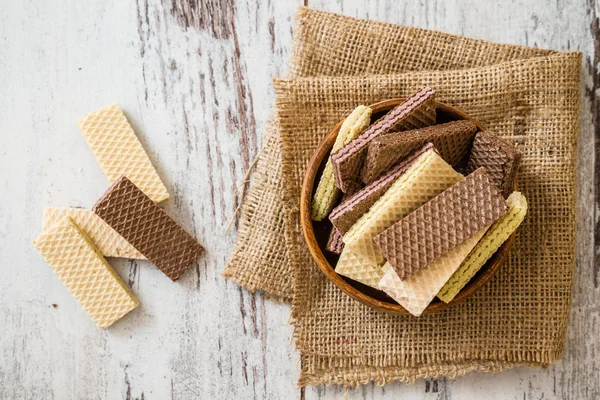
(493,239)
(354,267)
(85,273)
(106,239)
(119,152)
(426,178)
(327,193)
(416,292)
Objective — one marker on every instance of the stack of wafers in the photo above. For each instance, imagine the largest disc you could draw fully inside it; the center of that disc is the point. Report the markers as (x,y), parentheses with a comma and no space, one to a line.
(125,222)
(405,221)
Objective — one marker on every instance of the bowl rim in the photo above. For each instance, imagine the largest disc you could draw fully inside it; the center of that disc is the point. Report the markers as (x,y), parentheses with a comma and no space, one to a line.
(322,151)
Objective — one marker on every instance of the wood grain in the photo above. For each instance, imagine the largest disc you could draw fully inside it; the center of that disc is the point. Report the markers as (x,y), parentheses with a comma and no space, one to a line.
(195,82)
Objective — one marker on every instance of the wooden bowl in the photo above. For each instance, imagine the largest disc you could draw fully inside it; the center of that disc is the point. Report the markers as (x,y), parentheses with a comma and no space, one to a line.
(316,233)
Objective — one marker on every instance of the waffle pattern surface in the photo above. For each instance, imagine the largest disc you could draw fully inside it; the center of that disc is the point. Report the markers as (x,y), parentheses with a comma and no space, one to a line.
(416,292)
(327,193)
(119,152)
(441,224)
(106,239)
(426,178)
(85,273)
(499,158)
(354,206)
(452,140)
(487,246)
(148,228)
(416,112)
(357,268)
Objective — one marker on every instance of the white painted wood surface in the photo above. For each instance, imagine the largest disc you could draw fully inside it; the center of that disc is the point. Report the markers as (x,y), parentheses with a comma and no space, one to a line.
(199,98)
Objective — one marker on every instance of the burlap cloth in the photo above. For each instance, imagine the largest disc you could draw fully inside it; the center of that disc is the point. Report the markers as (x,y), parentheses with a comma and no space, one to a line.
(527,95)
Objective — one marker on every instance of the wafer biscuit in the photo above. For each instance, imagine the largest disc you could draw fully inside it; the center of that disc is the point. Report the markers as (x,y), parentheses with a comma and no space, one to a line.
(327,193)
(148,228)
(499,158)
(354,206)
(416,112)
(85,273)
(487,246)
(119,152)
(354,267)
(416,292)
(452,141)
(441,224)
(335,244)
(428,176)
(105,238)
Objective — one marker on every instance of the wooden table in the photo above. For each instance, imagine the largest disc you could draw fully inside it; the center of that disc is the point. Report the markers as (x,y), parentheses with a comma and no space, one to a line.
(196,86)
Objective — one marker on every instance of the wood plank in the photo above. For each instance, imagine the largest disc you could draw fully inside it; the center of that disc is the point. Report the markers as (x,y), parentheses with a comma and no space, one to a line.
(195,83)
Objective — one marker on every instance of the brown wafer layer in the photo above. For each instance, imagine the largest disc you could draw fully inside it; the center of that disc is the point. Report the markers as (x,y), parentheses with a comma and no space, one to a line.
(416,112)
(452,141)
(148,228)
(351,209)
(499,158)
(335,243)
(441,224)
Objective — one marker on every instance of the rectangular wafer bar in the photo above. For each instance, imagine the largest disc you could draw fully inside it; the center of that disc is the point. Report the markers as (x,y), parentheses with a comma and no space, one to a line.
(105,238)
(85,273)
(418,290)
(486,247)
(148,228)
(416,112)
(499,158)
(428,176)
(452,141)
(441,224)
(335,243)
(327,193)
(352,208)
(119,152)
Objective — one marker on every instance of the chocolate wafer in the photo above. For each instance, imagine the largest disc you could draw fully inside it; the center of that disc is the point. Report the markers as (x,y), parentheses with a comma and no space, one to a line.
(416,112)
(452,141)
(148,228)
(426,178)
(352,208)
(500,158)
(335,243)
(441,224)
(416,292)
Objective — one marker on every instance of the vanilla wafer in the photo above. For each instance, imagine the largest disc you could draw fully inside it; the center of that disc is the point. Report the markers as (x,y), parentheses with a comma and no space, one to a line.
(487,246)
(327,193)
(119,152)
(105,238)
(351,208)
(85,273)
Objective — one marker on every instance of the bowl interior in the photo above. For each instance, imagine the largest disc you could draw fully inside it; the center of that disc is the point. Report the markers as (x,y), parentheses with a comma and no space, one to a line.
(320,230)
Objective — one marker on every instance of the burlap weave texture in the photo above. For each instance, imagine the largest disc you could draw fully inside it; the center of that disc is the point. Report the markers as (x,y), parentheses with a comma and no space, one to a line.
(525,95)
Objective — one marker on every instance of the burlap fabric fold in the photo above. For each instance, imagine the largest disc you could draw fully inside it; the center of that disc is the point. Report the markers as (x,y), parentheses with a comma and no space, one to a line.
(529,96)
